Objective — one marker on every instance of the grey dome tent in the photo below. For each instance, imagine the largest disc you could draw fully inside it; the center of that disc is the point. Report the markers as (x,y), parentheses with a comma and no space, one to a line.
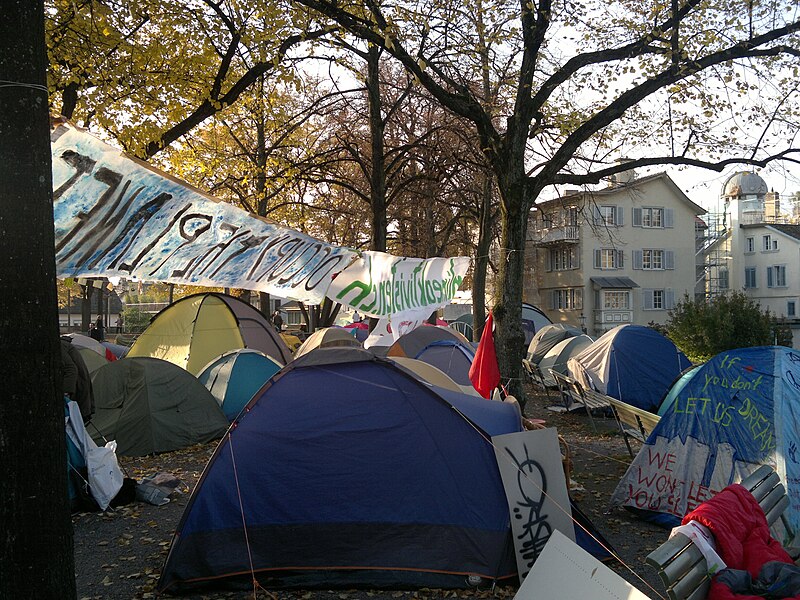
(150,405)
(547,337)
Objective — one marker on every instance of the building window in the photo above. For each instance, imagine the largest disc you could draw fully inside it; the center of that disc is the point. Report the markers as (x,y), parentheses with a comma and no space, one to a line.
(562,259)
(652,217)
(652,259)
(616,300)
(608,214)
(776,276)
(568,299)
(791,308)
(724,278)
(770,244)
(658,299)
(750,244)
(608,258)
(750,278)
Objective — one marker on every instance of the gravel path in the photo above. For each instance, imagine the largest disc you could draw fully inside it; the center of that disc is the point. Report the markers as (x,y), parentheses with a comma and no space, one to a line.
(119,554)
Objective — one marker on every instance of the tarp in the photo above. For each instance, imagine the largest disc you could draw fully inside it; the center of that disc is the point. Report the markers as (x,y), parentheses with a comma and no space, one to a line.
(350,472)
(149,405)
(739,410)
(631,363)
(235,376)
(193,331)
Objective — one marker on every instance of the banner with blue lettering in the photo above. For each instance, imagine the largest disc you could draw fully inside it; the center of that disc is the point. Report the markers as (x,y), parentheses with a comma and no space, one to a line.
(737,411)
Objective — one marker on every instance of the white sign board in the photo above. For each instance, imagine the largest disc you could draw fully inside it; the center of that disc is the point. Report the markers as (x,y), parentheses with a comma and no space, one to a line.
(536,490)
(564,571)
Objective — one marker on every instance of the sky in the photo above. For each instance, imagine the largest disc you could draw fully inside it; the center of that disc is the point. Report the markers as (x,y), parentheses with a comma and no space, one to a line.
(703,187)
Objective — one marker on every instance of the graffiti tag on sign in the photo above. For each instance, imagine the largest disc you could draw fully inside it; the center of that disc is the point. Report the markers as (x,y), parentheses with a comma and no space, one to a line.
(536,490)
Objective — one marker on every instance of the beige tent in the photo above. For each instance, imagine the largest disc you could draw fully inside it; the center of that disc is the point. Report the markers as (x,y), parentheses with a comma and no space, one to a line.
(327,337)
(427,373)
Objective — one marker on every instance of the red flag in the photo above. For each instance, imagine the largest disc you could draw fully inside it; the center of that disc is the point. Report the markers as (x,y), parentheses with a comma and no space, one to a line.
(484,372)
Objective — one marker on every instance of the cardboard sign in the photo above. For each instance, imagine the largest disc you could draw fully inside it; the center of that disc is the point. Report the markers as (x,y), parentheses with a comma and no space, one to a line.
(536,490)
(564,571)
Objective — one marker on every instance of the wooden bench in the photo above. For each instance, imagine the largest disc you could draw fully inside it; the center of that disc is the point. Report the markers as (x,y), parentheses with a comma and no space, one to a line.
(580,396)
(633,422)
(683,568)
(535,375)
(569,390)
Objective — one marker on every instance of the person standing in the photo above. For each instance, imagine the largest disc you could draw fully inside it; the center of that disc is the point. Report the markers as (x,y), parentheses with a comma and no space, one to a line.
(277,320)
(98,331)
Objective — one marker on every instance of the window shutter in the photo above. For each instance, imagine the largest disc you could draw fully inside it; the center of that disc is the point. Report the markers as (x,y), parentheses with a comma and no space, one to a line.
(549,265)
(769,277)
(553,299)
(620,260)
(579,298)
(669,217)
(669,259)
(619,219)
(637,259)
(647,299)
(596,259)
(636,221)
(669,299)
(597,218)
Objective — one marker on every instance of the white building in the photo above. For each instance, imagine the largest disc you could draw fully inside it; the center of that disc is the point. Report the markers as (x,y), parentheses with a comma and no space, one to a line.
(756,248)
(623,254)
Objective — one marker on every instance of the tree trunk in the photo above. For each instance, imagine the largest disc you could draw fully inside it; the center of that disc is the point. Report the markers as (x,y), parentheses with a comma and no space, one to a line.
(482,260)
(510,337)
(377,190)
(36,549)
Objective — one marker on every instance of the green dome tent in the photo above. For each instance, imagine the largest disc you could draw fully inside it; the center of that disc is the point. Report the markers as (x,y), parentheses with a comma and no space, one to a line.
(195,330)
(149,405)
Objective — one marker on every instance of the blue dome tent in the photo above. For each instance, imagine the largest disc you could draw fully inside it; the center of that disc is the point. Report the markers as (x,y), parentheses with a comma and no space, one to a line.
(734,413)
(631,363)
(348,471)
(233,378)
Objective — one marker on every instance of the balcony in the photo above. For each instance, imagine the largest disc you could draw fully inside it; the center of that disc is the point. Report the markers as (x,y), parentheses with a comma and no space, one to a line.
(551,236)
(608,318)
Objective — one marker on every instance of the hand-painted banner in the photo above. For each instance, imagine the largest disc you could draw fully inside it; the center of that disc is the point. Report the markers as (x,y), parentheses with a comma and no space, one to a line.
(380,285)
(118,217)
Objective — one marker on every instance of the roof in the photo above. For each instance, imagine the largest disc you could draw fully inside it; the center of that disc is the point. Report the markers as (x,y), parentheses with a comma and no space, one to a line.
(790,230)
(614,282)
(579,195)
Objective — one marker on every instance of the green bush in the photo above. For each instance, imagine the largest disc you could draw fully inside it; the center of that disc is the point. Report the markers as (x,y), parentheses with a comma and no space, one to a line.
(702,329)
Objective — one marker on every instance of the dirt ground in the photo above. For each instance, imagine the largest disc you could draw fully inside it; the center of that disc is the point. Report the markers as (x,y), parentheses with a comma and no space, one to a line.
(119,554)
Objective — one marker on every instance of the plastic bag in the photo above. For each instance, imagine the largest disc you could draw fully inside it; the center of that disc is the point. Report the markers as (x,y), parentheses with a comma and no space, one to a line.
(105,476)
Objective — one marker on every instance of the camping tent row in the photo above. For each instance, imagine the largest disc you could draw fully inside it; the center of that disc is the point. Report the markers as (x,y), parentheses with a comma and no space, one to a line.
(149,405)
(720,421)
(347,470)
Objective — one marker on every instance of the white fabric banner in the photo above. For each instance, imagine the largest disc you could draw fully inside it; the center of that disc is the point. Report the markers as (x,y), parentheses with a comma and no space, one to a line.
(379,285)
(116,216)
